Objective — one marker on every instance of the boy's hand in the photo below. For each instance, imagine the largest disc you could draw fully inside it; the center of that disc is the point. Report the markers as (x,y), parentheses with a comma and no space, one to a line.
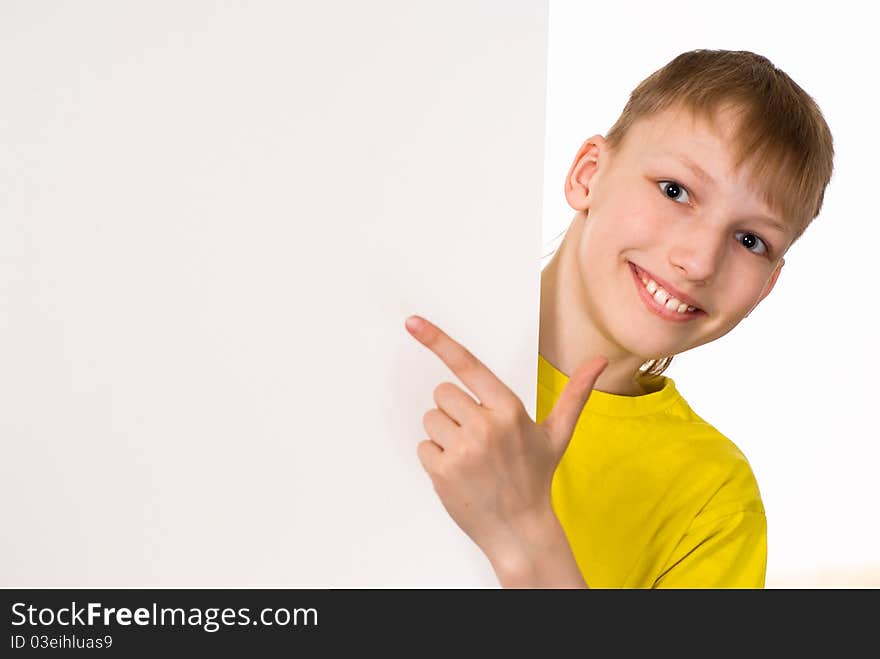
(491,465)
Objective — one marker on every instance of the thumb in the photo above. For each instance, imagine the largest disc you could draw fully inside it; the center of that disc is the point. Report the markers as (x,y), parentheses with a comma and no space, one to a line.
(563,417)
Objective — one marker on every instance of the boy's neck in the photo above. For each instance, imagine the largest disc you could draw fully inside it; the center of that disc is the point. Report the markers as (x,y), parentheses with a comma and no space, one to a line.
(567,336)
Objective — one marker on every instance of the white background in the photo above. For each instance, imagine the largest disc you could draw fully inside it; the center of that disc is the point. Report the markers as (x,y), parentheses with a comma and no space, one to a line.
(795,384)
(214,219)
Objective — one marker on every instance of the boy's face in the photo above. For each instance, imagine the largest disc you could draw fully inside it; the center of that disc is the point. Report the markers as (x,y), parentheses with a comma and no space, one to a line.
(666,205)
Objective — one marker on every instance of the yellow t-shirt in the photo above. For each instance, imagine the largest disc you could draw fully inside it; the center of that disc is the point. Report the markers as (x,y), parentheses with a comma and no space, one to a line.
(652,496)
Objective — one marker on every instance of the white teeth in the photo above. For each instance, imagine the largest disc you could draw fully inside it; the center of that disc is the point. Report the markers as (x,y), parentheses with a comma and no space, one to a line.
(663,298)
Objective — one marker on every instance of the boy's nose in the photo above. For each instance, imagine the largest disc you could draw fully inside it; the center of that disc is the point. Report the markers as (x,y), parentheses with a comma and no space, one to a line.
(697,252)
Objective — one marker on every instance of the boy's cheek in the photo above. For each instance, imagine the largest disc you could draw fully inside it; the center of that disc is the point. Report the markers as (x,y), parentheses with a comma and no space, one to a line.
(642,223)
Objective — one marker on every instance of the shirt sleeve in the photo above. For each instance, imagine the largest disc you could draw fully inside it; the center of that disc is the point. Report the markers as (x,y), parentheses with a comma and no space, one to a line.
(727,552)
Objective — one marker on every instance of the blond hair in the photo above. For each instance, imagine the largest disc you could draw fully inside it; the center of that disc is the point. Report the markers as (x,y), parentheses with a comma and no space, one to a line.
(780,130)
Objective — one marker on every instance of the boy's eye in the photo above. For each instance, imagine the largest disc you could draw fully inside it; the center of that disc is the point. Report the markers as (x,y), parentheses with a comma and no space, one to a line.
(674,191)
(752,242)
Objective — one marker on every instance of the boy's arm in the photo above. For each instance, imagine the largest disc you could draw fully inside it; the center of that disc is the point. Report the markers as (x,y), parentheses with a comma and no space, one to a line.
(539,557)
(729,551)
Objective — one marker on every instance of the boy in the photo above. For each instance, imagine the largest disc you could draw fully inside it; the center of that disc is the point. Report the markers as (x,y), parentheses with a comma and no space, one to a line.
(684,213)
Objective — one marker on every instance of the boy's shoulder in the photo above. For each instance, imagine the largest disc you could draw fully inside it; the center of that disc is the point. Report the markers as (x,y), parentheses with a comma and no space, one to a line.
(656,439)
(708,459)
(695,428)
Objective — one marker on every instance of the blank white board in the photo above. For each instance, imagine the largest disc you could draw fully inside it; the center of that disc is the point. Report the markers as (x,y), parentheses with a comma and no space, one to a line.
(214,219)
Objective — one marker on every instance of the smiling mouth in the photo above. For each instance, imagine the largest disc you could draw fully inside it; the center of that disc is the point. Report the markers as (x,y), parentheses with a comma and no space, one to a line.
(661,303)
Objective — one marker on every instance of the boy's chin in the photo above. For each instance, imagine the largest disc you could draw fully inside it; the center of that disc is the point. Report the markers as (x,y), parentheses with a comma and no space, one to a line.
(648,350)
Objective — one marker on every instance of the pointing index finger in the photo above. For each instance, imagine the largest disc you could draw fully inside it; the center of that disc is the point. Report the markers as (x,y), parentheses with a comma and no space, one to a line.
(471,371)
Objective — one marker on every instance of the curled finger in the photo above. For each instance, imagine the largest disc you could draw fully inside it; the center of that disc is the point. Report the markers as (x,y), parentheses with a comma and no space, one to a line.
(440,428)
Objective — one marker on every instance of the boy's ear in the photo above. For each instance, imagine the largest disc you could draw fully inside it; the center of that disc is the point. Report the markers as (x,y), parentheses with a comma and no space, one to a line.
(769,285)
(583,169)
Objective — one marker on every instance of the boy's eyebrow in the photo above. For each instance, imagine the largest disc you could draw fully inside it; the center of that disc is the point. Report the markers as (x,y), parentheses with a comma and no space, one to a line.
(698,171)
(773,222)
